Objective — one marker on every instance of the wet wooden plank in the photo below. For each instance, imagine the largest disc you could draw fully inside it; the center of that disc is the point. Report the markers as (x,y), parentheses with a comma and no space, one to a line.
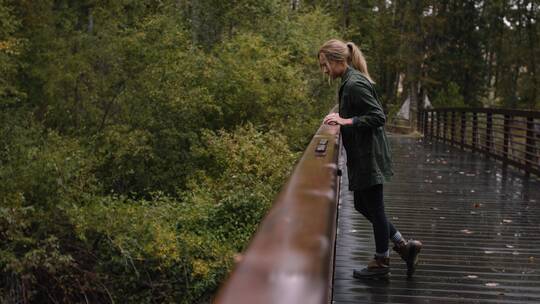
(480,225)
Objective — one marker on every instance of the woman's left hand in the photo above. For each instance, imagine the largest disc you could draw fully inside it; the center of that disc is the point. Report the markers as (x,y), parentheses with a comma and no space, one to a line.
(335,119)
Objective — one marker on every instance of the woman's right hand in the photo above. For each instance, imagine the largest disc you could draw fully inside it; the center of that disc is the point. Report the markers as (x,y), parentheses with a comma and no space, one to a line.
(334,119)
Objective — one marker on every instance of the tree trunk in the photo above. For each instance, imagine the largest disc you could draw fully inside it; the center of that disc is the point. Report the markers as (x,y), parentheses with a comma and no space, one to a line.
(414,57)
(90,21)
(295,5)
(531,33)
(195,21)
(346,18)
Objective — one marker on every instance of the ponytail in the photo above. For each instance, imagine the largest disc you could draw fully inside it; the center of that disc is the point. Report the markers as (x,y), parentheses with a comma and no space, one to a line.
(357,60)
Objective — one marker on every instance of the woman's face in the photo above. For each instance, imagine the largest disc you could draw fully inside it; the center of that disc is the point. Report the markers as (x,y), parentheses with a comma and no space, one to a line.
(331,68)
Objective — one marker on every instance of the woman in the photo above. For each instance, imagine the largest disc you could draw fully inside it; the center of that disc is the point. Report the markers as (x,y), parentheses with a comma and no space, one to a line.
(369,163)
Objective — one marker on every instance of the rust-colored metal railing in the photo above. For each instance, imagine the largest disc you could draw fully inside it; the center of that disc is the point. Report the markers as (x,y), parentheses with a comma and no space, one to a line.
(290,258)
(511,136)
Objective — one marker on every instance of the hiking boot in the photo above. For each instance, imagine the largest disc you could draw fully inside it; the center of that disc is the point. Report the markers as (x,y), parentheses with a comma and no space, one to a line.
(408,251)
(378,268)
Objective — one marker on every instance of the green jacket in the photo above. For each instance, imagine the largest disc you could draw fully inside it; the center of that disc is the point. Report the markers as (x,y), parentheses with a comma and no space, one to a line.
(369,160)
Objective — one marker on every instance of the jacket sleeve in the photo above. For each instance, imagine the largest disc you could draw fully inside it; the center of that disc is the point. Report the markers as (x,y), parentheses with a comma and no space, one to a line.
(373,114)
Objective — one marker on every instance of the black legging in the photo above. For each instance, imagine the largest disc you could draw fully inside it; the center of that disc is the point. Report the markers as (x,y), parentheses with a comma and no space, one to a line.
(369,202)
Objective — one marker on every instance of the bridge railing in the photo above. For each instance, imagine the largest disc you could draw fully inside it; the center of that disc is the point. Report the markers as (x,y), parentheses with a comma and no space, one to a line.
(290,257)
(511,136)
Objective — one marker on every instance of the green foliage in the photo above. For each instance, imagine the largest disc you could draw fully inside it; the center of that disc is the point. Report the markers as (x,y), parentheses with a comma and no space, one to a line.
(138,152)
(10,48)
(58,232)
(242,171)
(266,89)
(42,175)
(299,36)
(141,142)
(449,97)
(212,21)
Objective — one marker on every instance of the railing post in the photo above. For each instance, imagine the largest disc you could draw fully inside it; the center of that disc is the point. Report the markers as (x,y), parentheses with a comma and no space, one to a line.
(489,131)
(431,124)
(475,130)
(530,144)
(506,138)
(425,121)
(462,130)
(453,128)
(445,127)
(419,120)
(438,124)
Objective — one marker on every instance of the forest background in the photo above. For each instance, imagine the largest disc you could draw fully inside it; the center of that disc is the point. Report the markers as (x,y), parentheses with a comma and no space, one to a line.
(141,142)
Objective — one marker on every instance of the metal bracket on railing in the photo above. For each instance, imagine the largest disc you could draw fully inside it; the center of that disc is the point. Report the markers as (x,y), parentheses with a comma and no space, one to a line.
(320,150)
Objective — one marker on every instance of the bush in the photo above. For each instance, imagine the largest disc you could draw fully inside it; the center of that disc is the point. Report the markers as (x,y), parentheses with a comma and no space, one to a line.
(64,241)
(135,163)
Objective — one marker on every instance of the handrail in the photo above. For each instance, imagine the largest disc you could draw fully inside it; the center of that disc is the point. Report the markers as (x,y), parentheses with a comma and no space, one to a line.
(290,258)
(511,136)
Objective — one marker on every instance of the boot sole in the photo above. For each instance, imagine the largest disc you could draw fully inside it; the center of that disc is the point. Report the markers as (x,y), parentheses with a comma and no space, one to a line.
(373,276)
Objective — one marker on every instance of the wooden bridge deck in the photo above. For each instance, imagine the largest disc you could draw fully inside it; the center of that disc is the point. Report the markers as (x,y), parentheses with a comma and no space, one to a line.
(480,226)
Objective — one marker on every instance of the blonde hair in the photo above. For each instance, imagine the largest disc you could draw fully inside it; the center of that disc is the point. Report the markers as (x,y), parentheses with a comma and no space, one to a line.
(337,50)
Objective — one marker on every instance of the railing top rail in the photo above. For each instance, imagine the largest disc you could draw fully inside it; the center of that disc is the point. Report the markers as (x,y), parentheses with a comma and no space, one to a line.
(523,113)
(289,259)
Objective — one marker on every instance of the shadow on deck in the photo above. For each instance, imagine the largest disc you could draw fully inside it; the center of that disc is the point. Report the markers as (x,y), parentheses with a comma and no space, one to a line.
(480,226)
